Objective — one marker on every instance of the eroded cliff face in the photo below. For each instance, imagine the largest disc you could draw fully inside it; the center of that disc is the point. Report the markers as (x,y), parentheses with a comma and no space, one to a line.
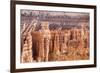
(54,36)
(54,45)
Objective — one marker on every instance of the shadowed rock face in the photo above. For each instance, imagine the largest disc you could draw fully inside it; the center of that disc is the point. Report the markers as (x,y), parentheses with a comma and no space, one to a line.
(56,19)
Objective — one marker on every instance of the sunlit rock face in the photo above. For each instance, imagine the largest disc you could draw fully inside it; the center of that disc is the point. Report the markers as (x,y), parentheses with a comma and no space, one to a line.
(51,36)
